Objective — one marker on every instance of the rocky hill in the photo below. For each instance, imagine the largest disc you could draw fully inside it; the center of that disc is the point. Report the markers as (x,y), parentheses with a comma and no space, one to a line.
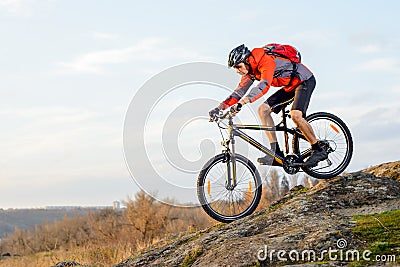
(390,169)
(348,220)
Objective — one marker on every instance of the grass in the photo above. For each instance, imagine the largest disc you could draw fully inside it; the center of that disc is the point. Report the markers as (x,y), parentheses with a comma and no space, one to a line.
(101,255)
(191,257)
(381,232)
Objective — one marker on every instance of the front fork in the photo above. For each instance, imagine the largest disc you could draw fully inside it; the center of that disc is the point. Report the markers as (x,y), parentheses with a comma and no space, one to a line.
(230,159)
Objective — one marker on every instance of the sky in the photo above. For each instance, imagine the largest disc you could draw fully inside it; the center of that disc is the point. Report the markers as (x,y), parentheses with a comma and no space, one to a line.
(70,69)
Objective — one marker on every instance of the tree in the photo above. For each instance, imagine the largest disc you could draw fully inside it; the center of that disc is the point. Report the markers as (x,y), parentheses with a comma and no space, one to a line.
(271,189)
(284,186)
(145,216)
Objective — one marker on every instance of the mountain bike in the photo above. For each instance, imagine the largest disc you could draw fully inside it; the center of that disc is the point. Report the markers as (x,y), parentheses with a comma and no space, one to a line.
(229,186)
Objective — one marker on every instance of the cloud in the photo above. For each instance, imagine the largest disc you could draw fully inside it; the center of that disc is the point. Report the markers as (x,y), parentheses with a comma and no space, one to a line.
(49,115)
(311,38)
(43,143)
(149,49)
(63,151)
(374,43)
(16,7)
(103,36)
(385,64)
(370,48)
(375,136)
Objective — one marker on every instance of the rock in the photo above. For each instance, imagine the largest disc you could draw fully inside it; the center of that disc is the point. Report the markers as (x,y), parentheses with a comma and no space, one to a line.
(69,264)
(390,170)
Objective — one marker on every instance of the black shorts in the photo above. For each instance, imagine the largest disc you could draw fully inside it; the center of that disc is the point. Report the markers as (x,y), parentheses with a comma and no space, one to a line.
(301,94)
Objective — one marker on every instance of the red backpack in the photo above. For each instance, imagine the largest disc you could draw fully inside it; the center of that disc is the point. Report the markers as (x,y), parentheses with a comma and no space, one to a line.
(285,51)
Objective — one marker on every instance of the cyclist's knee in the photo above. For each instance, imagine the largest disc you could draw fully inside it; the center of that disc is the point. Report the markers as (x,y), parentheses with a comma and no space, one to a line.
(297,116)
(264,110)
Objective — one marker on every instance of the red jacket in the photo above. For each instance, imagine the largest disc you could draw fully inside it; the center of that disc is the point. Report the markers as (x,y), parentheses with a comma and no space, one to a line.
(270,70)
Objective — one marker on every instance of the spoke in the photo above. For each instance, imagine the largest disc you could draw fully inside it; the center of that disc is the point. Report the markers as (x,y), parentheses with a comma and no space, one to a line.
(222,170)
(219,192)
(230,202)
(324,129)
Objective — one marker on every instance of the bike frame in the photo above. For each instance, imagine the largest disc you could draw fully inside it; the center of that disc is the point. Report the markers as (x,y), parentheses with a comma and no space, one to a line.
(235,130)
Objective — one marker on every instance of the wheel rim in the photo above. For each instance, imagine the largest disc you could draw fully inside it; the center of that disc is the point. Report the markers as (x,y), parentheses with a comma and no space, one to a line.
(329,131)
(229,204)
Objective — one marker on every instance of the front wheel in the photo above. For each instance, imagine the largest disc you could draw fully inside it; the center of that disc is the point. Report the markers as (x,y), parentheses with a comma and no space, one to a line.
(226,202)
(335,138)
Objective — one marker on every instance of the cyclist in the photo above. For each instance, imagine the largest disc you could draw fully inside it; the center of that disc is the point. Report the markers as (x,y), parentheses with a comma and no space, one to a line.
(296,81)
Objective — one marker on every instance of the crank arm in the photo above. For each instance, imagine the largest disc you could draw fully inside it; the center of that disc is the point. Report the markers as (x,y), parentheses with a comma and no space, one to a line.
(302,164)
(296,164)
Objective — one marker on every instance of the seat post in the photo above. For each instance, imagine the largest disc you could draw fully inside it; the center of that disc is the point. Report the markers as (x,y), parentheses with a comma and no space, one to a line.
(285,127)
(284,115)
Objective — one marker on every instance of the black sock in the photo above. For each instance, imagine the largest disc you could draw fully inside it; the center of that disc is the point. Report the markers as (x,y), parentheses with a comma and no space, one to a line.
(275,147)
(316,147)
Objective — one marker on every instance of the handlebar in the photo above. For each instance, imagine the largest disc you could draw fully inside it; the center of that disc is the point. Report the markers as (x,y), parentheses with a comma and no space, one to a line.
(230,113)
(222,115)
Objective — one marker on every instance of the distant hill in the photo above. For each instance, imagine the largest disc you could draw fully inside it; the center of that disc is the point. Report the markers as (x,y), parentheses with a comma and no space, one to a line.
(28,218)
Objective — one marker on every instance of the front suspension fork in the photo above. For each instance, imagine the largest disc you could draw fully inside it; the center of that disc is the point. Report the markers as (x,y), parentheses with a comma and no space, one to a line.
(230,164)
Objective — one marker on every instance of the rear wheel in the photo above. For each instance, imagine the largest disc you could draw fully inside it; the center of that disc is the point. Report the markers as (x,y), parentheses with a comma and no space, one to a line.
(335,138)
(224,203)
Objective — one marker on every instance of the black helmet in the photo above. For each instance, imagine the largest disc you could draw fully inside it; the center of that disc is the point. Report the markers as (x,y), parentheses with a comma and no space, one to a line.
(238,55)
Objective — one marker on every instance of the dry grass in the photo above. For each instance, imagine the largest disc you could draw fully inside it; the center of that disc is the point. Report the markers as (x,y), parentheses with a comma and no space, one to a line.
(90,255)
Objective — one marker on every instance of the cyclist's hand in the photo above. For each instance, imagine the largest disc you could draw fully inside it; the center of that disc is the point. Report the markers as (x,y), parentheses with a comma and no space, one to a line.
(214,112)
(236,108)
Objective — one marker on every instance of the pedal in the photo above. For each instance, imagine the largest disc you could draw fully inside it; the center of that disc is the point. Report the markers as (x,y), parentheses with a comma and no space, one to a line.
(309,166)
